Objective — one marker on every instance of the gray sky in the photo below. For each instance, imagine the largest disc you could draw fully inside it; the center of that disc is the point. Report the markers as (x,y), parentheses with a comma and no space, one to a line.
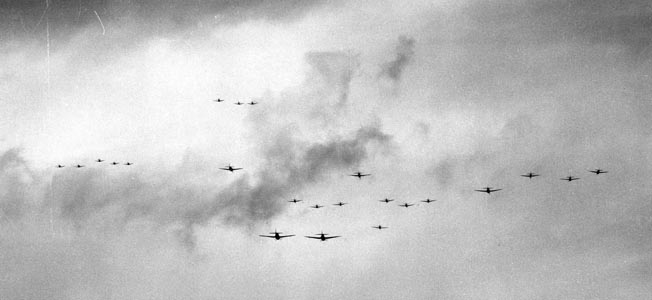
(434,98)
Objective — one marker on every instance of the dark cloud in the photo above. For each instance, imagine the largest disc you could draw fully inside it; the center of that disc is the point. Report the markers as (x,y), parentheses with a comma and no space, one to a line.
(624,23)
(110,200)
(404,53)
(20,18)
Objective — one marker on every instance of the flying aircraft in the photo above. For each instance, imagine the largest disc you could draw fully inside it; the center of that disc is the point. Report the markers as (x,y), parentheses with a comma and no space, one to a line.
(60,166)
(128,164)
(230,168)
(488,190)
(570,178)
(340,203)
(295,200)
(379,227)
(406,204)
(239,103)
(218,100)
(598,171)
(322,236)
(317,206)
(99,160)
(79,166)
(115,163)
(252,103)
(386,200)
(359,175)
(428,200)
(530,175)
(276,235)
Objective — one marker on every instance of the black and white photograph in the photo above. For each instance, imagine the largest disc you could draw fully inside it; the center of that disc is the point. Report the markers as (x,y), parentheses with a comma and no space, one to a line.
(325,149)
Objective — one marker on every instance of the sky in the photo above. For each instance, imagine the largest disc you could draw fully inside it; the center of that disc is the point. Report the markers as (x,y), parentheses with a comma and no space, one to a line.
(434,98)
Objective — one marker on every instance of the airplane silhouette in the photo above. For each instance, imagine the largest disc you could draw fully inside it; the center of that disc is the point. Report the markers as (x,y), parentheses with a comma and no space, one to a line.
(322,236)
(276,235)
(530,175)
(406,204)
(598,171)
(340,203)
(386,200)
(570,178)
(99,160)
(239,103)
(317,206)
(359,175)
(428,200)
(128,164)
(60,166)
(230,168)
(114,163)
(79,166)
(488,190)
(218,100)
(294,200)
(379,227)
(252,103)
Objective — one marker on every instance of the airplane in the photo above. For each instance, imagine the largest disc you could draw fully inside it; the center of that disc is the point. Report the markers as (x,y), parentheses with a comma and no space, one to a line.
(386,200)
(99,160)
(428,200)
(60,166)
(115,163)
(230,168)
(239,103)
(317,206)
(322,236)
(128,164)
(295,200)
(406,204)
(598,171)
(79,166)
(218,100)
(530,175)
(570,178)
(252,103)
(276,235)
(340,203)
(379,227)
(488,190)
(359,175)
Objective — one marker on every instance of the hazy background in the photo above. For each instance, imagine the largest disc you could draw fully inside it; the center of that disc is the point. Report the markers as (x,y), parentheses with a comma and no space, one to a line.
(434,98)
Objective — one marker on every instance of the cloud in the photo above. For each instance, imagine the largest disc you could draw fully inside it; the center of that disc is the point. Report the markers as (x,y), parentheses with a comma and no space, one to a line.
(334,70)
(404,53)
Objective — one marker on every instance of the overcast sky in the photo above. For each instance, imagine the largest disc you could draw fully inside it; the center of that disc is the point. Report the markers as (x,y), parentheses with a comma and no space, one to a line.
(433,98)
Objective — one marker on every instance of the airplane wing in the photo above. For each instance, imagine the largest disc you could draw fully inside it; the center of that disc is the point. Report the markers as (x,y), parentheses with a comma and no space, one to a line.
(284,236)
(331,237)
(484,191)
(269,236)
(313,237)
(365,174)
(226,169)
(495,190)
(234,169)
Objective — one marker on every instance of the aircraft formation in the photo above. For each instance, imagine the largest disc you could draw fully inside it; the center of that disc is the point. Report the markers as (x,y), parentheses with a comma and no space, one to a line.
(99,160)
(218,100)
(360,175)
(488,190)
